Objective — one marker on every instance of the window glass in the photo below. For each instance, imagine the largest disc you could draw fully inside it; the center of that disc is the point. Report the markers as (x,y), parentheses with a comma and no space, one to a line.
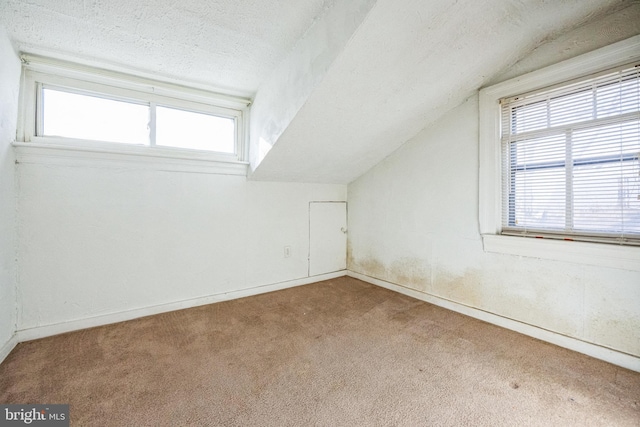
(572,108)
(188,129)
(620,98)
(539,151)
(606,197)
(577,168)
(529,117)
(606,141)
(73,115)
(538,201)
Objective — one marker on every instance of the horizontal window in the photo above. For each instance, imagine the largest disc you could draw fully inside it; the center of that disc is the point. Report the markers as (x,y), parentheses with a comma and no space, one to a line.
(99,118)
(72,104)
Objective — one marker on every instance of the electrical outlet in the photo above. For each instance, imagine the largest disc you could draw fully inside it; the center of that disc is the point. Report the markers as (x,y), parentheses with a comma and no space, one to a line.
(287,251)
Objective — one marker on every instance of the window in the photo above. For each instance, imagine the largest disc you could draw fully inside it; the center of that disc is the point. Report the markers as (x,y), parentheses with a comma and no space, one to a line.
(188,129)
(570,159)
(558,161)
(66,104)
(74,115)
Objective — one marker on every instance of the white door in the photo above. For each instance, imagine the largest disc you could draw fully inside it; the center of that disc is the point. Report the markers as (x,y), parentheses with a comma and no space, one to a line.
(327,237)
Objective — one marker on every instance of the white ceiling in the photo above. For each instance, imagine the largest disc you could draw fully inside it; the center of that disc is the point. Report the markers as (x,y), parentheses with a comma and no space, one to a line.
(228,44)
(408,63)
(400,66)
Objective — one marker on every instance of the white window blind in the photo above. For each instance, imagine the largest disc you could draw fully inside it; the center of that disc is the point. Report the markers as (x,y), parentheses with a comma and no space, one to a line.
(570,159)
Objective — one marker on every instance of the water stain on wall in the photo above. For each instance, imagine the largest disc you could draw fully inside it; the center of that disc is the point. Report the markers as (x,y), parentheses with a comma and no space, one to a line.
(414,273)
(541,302)
(465,288)
(372,267)
(615,333)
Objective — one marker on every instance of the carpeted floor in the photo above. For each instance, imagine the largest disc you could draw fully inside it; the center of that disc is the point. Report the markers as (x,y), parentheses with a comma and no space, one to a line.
(335,353)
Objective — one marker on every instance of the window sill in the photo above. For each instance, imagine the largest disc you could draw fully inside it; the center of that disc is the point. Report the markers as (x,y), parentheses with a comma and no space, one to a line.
(62,152)
(599,254)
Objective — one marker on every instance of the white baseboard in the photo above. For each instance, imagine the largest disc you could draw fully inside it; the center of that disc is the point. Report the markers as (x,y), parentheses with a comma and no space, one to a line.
(624,360)
(7,347)
(60,328)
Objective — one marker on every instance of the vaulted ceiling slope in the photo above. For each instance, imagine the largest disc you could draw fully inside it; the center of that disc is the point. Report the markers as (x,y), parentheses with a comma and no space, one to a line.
(407,64)
(229,45)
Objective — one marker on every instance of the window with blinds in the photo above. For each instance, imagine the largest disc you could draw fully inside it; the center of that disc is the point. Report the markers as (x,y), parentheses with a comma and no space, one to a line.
(570,159)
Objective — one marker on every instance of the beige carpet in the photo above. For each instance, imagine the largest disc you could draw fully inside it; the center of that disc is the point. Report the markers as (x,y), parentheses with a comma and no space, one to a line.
(334,353)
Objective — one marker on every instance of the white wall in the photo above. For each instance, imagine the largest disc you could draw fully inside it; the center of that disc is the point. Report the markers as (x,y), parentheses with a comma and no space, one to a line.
(9,85)
(103,237)
(413,221)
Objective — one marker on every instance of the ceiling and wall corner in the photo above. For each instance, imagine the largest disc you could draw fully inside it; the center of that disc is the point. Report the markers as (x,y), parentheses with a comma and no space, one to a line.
(614,27)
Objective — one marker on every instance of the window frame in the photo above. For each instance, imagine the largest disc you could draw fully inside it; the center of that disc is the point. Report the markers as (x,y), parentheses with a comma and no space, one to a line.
(515,112)
(490,163)
(40,72)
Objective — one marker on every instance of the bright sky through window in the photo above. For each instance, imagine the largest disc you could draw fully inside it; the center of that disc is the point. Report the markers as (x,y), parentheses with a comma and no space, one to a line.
(188,129)
(72,115)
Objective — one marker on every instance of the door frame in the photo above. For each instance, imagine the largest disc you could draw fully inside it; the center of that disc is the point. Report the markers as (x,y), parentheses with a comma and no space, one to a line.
(346,213)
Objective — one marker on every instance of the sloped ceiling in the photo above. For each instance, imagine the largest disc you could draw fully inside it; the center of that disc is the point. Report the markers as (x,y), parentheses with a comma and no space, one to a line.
(407,64)
(338,84)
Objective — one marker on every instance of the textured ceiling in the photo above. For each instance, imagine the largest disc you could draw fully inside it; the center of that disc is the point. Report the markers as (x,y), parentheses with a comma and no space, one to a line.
(407,64)
(229,44)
